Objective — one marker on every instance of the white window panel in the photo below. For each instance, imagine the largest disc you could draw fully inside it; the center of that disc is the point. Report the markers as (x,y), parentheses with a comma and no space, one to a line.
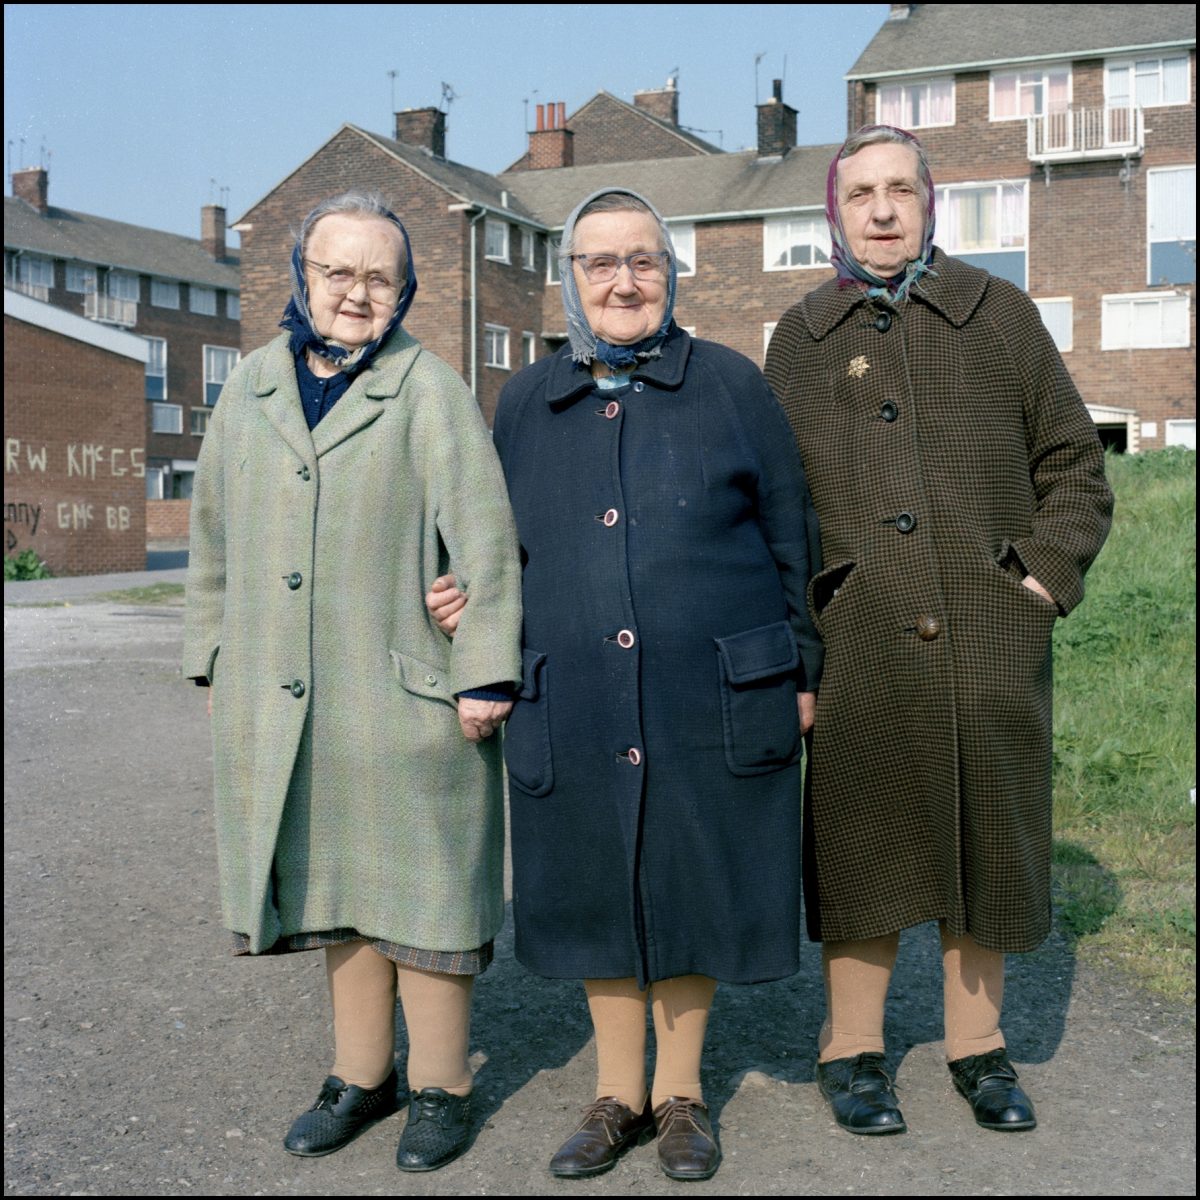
(36,272)
(495,346)
(156,369)
(918,105)
(1016,95)
(528,348)
(795,243)
(552,264)
(1058,317)
(982,217)
(219,361)
(768,331)
(1144,321)
(683,238)
(123,286)
(81,279)
(202,300)
(1171,225)
(200,421)
(166,418)
(495,240)
(528,250)
(164,293)
(1182,433)
(233,306)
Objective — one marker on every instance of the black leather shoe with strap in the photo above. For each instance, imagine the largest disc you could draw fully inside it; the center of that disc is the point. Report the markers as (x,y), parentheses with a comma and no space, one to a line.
(341,1113)
(860,1094)
(687,1148)
(608,1128)
(989,1083)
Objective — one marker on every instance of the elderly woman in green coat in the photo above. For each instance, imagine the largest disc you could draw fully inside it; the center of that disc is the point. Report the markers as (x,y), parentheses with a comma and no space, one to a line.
(358,790)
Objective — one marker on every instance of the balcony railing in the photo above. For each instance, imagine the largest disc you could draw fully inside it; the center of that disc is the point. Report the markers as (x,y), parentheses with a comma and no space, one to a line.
(39,291)
(109,310)
(1086,133)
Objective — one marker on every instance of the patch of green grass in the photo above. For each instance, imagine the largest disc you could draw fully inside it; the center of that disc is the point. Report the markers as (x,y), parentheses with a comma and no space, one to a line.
(1125,721)
(155,593)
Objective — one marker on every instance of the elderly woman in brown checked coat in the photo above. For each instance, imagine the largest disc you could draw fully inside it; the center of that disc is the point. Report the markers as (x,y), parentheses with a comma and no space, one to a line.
(960,487)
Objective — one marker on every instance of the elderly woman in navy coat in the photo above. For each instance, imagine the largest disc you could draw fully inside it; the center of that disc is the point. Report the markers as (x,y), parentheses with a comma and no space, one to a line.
(669,671)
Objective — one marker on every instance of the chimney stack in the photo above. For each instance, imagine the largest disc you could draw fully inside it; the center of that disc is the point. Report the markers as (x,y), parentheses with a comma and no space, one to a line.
(776,125)
(423,127)
(33,186)
(551,144)
(212,231)
(663,103)
(900,12)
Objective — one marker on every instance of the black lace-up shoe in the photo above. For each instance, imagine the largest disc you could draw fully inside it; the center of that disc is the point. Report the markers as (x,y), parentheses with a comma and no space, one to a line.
(860,1093)
(439,1126)
(341,1113)
(989,1083)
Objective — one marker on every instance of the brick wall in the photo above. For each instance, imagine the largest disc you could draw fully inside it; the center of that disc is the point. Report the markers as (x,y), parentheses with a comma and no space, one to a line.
(167,520)
(74,469)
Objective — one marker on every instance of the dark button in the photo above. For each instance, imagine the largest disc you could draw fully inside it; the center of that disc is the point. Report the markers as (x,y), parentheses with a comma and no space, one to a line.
(928,628)
(294,580)
(888,411)
(639,386)
(906,522)
(625,639)
(611,517)
(611,409)
(296,687)
(883,322)
(304,474)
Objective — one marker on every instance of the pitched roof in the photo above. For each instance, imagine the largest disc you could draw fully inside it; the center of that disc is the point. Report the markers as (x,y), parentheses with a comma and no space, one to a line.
(703,187)
(945,36)
(698,143)
(80,237)
(60,320)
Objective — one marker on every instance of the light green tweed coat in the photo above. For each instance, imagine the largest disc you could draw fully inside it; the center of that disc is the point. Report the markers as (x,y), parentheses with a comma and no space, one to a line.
(346,795)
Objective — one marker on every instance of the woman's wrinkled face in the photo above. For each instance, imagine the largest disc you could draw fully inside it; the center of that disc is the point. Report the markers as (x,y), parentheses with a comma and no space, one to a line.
(624,309)
(881,207)
(372,250)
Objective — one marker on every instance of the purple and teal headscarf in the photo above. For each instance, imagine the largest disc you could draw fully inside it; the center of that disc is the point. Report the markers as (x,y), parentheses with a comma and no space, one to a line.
(297,318)
(851,273)
(585,345)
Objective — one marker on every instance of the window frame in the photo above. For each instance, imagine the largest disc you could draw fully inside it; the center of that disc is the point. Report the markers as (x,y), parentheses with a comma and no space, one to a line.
(1151,172)
(528,342)
(86,271)
(553,271)
(213,381)
(45,270)
(122,277)
(924,83)
(206,414)
(1069,301)
(197,289)
(688,228)
(1131,65)
(1045,84)
(233,306)
(157,301)
(768,333)
(1161,299)
(817,222)
(489,225)
(162,408)
(500,336)
(528,249)
(153,342)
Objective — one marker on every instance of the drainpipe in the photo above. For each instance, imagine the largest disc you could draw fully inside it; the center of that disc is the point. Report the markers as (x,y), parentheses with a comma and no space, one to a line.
(482,212)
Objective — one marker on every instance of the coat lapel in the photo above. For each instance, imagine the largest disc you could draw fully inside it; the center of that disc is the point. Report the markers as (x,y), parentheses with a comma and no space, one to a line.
(276,385)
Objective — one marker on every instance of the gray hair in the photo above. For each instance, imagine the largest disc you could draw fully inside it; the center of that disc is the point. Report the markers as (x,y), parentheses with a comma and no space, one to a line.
(875,135)
(353,204)
(614,202)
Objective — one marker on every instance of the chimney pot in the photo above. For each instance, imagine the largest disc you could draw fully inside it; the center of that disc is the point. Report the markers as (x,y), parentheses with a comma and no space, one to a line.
(777,89)
(562,114)
(541,117)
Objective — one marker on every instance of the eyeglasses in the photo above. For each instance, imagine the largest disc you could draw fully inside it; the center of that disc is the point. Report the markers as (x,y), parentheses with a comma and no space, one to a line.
(340,280)
(600,268)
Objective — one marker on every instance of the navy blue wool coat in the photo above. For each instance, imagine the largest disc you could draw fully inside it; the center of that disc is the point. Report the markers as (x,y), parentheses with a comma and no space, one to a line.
(654,751)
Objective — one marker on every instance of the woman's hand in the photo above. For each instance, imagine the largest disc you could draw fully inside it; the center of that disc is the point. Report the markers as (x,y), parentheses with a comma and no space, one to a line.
(806,705)
(481,718)
(445,603)
(1037,589)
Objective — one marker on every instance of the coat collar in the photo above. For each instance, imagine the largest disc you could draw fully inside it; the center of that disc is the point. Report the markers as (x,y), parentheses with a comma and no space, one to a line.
(377,383)
(954,292)
(569,380)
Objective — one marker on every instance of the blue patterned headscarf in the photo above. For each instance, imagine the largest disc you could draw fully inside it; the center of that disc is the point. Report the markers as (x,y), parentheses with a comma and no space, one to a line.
(585,345)
(298,320)
(850,271)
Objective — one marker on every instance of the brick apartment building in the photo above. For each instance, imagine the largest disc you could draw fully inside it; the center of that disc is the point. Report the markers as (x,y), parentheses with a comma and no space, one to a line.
(74,440)
(179,294)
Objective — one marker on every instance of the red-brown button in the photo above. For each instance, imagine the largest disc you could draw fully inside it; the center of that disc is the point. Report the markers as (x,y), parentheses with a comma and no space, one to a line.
(928,628)
(611,517)
(611,409)
(625,639)
(634,756)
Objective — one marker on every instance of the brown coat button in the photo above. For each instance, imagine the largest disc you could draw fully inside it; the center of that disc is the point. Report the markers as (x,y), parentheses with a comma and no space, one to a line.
(928,628)
(611,409)
(611,517)
(625,639)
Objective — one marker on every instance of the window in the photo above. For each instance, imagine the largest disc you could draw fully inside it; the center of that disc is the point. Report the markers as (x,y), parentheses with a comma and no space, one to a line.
(495,346)
(768,332)
(794,243)
(156,369)
(985,224)
(495,240)
(166,418)
(233,306)
(1146,82)
(1020,94)
(1058,318)
(154,483)
(1182,433)
(528,250)
(1171,218)
(81,279)
(35,272)
(200,421)
(916,105)
(218,362)
(164,293)
(683,238)
(552,266)
(202,300)
(1143,321)
(123,286)
(528,348)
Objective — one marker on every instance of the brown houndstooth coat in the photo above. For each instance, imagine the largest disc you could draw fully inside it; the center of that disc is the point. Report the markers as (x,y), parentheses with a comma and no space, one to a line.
(948,454)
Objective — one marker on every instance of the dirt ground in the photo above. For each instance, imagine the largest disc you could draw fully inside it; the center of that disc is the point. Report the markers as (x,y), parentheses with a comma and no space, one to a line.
(142,1059)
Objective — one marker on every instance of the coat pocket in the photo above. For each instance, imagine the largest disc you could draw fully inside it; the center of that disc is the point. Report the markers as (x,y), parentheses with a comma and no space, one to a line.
(421,678)
(527,733)
(825,585)
(758,699)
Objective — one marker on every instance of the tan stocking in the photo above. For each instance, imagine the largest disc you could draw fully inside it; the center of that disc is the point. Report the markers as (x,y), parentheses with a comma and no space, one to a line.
(857,975)
(680,1007)
(437,1011)
(973,990)
(362,985)
(618,1009)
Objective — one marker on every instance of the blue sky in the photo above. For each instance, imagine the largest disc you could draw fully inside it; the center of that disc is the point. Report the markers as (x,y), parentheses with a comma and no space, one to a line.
(144,112)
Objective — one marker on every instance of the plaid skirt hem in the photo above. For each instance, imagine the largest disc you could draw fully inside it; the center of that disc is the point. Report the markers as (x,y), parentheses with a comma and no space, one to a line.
(444,962)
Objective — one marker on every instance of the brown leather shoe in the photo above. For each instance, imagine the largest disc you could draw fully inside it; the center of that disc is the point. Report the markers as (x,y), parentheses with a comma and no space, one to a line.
(687,1148)
(607,1130)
